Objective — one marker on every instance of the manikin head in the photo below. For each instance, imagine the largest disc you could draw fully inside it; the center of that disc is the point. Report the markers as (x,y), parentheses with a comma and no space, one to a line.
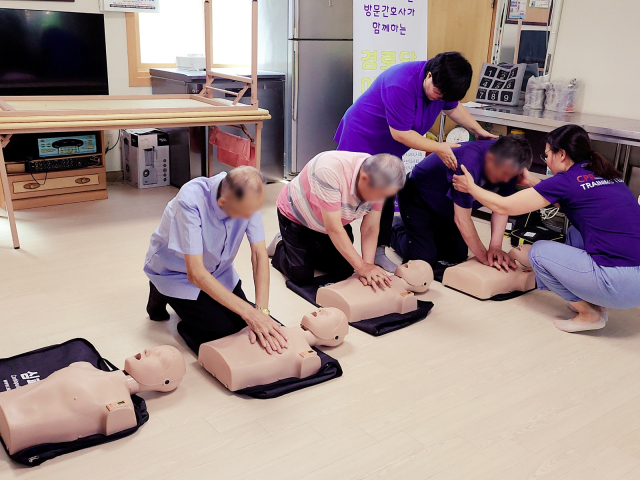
(447,77)
(328,325)
(157,369)
(241,192)
(417,274)
(380,176)
(520,254)
(507,158)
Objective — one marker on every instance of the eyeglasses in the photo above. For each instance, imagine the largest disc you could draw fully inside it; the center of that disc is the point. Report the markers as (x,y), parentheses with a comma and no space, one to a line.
(543,156)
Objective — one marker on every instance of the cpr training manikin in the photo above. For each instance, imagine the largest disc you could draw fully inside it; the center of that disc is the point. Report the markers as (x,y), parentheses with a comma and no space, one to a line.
(81,400)
(484,282)
(239,364)
(360,302)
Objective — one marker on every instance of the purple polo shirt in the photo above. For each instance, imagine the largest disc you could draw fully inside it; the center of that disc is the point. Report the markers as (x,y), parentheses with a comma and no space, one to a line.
(396,99)
(434,179)
(605,212)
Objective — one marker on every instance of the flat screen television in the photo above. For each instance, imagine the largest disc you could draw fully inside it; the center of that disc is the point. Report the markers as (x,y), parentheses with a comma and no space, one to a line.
(52,53)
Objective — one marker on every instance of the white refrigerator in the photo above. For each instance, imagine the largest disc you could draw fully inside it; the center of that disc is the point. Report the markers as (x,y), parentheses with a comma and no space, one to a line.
(312,41)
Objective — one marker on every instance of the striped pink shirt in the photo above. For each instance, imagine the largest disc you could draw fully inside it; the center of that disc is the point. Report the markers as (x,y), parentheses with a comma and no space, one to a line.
(327,182)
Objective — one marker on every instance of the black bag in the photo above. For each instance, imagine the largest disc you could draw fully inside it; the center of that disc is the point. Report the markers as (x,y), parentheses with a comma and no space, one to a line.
(373,326)
(37,365)
(530,235)
(518,222)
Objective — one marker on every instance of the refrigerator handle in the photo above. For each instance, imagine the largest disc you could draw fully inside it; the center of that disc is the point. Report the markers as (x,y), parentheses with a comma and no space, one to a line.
(296,18)
(296,80)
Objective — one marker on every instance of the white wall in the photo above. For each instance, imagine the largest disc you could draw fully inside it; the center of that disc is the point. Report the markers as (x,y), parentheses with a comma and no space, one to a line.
(116,40)
(598,43)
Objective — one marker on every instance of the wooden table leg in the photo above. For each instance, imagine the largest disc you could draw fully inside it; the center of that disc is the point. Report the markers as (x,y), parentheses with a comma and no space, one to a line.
(7,198)
(258,143)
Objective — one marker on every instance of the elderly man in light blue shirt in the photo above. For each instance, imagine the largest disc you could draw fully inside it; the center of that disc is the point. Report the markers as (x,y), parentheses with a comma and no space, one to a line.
(190,261)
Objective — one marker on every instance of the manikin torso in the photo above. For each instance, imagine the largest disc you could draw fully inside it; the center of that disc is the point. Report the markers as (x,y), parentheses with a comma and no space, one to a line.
(483,282)
(71,402)
(239,364)
(81,400)
(360,302)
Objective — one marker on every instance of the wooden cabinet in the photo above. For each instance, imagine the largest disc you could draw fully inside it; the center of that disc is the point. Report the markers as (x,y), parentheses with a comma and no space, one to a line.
(58,187)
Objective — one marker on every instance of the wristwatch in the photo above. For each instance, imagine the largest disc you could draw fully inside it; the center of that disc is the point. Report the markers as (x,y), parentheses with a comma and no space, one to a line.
(263,310)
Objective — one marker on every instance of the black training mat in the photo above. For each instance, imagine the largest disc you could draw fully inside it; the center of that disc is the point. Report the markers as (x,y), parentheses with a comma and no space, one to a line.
(330,369)
(38,364)
(438,271)
(373,326)
(501,297)
(394,321)
(308,292)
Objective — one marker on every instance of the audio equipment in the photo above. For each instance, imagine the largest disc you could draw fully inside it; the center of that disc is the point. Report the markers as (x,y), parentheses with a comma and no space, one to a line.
(67,145)
(53,164)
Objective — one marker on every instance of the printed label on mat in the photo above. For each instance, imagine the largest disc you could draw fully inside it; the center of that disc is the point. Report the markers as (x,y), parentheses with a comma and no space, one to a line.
(14,380)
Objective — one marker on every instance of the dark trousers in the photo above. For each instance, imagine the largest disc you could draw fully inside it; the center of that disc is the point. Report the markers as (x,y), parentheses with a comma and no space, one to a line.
(302,250)
(386,222)
(203,319)
(425,234)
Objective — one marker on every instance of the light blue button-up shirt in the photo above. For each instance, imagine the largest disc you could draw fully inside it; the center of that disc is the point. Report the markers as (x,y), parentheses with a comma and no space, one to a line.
(194,224)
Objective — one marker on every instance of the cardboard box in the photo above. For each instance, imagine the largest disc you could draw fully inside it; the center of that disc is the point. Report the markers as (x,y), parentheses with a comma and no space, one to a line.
(145,154)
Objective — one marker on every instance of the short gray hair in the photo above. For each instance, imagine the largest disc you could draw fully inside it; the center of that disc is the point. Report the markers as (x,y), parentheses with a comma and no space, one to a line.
(385,171)
(241,180)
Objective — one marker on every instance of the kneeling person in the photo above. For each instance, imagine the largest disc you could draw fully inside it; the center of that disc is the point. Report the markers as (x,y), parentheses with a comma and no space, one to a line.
(437,224)
(190,261)
(315,210)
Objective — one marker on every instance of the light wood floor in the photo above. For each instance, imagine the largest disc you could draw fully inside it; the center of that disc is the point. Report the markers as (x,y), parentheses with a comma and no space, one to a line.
(478,390)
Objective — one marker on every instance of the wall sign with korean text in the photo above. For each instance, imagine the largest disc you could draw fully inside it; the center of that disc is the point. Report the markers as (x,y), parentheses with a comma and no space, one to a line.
(385,33)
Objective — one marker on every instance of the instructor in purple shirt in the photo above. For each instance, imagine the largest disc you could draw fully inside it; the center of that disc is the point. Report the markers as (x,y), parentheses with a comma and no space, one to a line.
(599,266)
(400,107)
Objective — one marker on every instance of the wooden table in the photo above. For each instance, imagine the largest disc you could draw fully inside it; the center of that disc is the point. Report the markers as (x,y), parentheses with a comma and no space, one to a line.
(87,113)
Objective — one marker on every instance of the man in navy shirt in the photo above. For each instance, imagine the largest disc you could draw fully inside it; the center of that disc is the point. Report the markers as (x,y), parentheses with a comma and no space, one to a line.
(437,225)
(599,266)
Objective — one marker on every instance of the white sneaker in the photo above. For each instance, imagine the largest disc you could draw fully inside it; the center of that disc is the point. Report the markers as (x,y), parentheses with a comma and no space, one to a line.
(271,249)
(572,327)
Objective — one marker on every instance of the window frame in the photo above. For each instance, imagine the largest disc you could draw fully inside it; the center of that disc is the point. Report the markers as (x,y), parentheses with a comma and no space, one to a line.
(139,75)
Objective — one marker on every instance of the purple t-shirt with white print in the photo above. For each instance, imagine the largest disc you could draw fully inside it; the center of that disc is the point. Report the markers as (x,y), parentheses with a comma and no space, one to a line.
(605,212)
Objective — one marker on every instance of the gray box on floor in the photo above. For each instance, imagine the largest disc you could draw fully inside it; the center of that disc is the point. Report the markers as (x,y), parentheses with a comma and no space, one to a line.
(145,154)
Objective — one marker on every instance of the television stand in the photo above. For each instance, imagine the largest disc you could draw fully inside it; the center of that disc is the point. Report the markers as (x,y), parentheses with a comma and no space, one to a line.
(57,187)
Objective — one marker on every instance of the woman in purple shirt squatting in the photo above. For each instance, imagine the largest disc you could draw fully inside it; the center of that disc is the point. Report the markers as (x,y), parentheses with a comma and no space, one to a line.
(399,108)
(599,266)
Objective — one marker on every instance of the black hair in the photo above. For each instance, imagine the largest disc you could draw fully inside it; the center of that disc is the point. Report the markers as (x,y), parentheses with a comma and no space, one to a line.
(451,74)
(574,140)
(514,148)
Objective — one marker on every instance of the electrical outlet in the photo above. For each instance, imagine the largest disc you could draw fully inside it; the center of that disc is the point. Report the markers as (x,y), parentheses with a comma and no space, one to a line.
(110,137)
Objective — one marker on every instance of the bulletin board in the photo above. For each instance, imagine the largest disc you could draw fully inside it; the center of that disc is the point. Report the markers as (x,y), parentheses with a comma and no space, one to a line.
(538,12)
